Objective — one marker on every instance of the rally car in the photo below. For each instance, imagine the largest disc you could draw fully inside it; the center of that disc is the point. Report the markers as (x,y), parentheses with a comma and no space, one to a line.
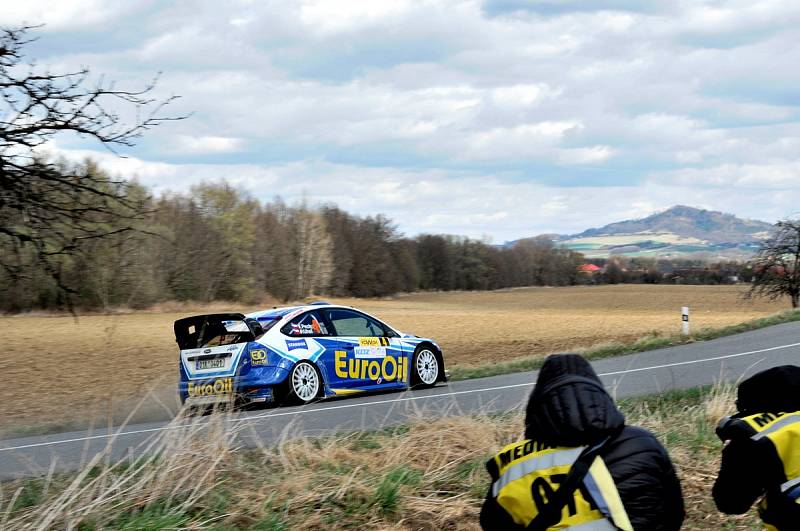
(298,354)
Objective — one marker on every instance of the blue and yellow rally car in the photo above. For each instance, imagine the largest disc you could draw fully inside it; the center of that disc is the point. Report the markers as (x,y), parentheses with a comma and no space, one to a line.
(298,354)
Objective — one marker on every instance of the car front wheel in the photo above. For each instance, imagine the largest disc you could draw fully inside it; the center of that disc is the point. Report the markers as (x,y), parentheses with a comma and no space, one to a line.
(425,368)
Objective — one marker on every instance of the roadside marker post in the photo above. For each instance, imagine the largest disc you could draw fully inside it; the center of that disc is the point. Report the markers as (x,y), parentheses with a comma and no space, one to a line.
(685,320)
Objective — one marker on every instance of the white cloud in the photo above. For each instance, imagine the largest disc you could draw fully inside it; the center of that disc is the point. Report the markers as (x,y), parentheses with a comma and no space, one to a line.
(203,145)
(519,141)
(452,202)
(520,95)
(590,155)
(329,17)
(61,15)
(652,107)
(748,176)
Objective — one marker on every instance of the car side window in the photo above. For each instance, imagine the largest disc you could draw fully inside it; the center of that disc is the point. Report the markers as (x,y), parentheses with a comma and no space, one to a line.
(350,323)
(308,324)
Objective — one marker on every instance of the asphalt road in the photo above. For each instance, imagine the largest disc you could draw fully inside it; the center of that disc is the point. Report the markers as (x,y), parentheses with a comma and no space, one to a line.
(727,358)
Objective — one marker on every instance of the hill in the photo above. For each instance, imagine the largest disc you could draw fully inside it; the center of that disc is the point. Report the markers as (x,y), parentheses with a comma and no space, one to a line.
(680,231)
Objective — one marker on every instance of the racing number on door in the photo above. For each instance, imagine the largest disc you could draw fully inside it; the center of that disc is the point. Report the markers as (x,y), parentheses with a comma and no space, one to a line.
(542,491)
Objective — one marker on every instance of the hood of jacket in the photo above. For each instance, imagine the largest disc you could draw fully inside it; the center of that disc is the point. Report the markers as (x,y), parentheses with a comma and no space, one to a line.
(771,390)
(569,405)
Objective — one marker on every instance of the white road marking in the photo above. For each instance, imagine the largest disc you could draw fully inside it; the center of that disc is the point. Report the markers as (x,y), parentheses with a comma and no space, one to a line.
(676,364)
(378,402)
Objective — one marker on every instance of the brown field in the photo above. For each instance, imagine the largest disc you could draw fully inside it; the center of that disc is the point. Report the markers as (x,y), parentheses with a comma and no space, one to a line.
(61,371)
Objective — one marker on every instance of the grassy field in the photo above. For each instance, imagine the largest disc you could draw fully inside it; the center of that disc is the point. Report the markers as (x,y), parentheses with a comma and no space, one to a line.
(61,371)
(426,475)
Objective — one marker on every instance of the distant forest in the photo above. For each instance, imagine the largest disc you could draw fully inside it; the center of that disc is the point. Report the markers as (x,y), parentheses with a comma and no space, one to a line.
(215,242)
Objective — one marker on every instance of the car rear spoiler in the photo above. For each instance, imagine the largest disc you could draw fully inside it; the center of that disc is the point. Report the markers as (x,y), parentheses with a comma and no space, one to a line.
(195,331)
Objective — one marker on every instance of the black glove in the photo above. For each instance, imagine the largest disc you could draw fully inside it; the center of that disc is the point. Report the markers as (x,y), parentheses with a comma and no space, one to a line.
(730,428)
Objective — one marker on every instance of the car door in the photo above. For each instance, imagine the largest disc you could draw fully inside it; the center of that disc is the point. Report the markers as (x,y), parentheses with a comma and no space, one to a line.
(367,356)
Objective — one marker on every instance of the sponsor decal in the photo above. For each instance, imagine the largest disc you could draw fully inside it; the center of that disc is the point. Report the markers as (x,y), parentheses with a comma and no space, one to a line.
(221,386)
(317,327)
(373,341)
(388,368)
(370,352)
(232,348)
(314,328)
(293,344)
(294,314)
(258,357)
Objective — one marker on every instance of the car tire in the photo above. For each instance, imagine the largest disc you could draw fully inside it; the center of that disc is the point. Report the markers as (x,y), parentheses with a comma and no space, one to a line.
(425,367)
(304,383)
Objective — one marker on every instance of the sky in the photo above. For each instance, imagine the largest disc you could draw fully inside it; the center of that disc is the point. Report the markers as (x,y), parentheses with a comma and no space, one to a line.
(495,119)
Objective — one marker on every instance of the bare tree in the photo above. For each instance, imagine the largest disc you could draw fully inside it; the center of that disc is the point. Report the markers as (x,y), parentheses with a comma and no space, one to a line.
(47,208)
(776,270)
(314,253)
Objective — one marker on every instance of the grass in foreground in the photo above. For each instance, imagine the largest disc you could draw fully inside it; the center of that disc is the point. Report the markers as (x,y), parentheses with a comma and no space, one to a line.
(425,475)
(652,341)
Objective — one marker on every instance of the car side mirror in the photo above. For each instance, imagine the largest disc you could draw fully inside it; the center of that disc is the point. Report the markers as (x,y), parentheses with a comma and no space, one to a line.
(255,327)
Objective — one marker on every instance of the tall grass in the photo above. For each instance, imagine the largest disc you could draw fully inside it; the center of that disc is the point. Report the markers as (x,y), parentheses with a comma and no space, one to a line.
(427,474)
(176,471)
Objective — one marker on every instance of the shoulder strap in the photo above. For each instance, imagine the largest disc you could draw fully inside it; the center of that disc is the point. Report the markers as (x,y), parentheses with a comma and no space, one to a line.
(550,515)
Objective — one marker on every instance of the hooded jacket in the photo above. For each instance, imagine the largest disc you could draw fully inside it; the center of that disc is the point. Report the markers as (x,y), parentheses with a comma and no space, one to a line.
(570,407)
(751,469)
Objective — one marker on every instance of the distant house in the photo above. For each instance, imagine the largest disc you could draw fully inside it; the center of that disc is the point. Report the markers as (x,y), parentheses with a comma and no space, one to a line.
(589,269)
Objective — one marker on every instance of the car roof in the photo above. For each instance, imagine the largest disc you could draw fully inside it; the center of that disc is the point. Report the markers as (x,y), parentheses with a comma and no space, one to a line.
(277,313)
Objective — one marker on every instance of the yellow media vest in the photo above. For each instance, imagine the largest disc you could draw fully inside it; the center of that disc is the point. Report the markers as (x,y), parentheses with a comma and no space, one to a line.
(783,431)
(527,474)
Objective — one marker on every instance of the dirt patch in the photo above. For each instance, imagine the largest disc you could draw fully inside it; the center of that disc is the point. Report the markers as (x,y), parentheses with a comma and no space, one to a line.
(63,372)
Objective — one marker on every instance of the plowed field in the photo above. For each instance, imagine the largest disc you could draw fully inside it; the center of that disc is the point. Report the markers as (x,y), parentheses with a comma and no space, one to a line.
(59,371)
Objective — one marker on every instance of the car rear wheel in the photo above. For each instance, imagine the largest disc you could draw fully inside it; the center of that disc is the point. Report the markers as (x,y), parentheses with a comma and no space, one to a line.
(304,383)
(425,368)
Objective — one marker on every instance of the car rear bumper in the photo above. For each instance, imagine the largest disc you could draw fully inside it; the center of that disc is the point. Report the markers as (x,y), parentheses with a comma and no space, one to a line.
(257,386)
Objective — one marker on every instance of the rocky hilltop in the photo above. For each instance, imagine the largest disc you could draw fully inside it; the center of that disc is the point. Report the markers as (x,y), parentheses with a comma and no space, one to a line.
(688,222)
(678,232)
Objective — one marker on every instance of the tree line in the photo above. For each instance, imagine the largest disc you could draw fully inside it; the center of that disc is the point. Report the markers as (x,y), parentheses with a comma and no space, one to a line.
(646,270)
(215,242)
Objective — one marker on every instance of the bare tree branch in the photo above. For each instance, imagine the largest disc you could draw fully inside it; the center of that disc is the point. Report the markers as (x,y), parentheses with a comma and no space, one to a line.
(48,207)
(777,265)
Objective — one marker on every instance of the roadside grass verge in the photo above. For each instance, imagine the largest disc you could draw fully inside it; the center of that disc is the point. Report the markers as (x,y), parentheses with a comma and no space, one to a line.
(651,341)
(427,474)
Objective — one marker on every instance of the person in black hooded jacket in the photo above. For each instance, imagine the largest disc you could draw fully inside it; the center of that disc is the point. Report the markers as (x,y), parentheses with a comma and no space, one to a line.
(569,407)
(761,457)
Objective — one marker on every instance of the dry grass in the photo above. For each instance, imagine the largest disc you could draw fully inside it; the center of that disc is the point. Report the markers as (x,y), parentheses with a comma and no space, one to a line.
(426,475)
(173,474)
(63,371)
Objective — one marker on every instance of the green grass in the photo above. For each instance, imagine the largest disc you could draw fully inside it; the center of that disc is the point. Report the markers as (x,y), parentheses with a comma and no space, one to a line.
(649,342)
(387,493)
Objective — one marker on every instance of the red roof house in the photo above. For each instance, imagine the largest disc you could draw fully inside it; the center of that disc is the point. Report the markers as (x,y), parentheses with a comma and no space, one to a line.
(589,268)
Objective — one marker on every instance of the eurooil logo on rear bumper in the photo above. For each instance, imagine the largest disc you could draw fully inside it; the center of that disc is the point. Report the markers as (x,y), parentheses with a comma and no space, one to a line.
(220,386)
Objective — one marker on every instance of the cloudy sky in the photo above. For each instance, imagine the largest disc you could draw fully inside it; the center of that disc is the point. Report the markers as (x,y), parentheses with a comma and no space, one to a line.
(497,118)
